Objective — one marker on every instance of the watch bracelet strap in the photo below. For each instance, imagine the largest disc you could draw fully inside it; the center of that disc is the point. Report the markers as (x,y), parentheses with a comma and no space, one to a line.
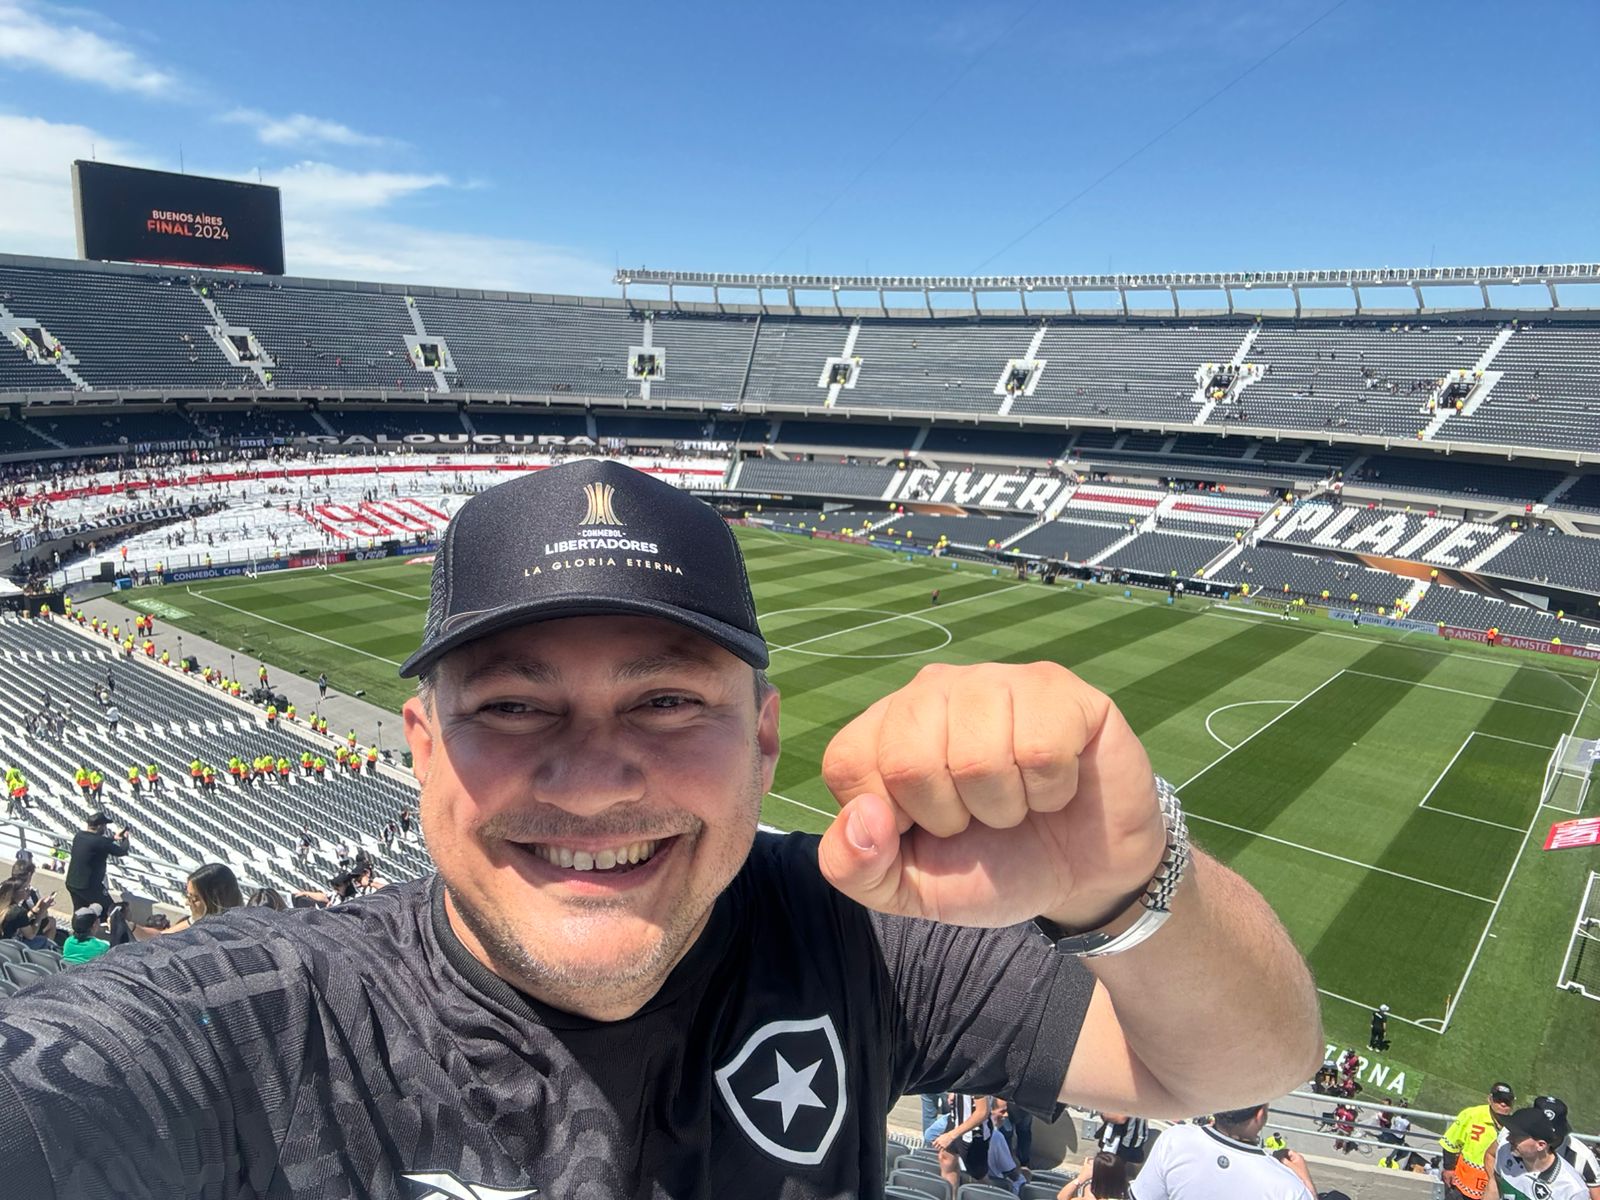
(1155,902)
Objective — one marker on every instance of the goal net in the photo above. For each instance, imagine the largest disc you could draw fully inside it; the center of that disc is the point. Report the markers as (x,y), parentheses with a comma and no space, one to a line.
(1580,970)
(1569,773)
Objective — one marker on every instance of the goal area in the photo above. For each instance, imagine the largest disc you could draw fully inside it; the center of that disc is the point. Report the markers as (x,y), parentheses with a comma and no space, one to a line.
(1580,969)
(1569,773)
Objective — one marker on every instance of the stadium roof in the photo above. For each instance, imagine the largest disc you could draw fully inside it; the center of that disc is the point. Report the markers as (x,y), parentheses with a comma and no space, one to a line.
(1547,275)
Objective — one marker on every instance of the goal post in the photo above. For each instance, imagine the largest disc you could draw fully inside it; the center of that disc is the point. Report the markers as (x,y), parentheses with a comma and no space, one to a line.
(1580,969)
(1569,772)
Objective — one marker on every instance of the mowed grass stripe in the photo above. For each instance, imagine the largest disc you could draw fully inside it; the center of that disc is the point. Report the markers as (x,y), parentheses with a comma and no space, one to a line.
(1487,781)
(1253,785)
(836,690)
(1435,939)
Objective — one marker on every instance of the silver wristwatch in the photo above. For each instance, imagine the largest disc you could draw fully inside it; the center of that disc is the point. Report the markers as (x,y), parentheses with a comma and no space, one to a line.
(1156,900)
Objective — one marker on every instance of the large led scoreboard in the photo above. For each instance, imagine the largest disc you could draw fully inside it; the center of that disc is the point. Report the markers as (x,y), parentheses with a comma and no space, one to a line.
(128,214)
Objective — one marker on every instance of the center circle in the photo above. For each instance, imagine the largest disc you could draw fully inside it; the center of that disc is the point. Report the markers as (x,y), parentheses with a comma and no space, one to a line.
(882,612)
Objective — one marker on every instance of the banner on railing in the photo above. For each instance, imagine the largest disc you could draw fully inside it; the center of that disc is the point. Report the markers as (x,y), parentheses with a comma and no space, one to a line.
(1355,618)
(1517,642)
(191,574)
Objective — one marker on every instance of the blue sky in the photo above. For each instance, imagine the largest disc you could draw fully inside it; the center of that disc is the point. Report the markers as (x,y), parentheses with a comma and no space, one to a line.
(535,146)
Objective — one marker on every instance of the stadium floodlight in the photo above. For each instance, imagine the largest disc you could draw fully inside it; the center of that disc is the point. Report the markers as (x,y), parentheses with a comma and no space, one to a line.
(1569,772)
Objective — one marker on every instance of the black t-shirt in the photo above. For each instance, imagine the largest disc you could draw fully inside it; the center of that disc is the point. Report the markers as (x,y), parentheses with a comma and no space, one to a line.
(89,853)
(361,1051)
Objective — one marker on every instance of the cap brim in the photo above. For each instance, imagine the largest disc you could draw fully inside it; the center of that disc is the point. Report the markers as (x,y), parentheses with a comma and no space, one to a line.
(747,646)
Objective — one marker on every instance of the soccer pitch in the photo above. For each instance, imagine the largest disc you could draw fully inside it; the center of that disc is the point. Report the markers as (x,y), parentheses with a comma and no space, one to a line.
(1381,790)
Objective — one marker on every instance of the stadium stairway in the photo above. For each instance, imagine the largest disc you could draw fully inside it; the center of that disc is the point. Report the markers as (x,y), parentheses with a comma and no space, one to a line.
(344,712)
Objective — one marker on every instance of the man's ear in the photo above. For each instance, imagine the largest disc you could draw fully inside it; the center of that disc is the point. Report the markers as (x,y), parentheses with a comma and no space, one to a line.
(767,737)
(419,737)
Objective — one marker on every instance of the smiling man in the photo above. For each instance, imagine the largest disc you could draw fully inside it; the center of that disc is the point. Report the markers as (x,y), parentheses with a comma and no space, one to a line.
(614,986)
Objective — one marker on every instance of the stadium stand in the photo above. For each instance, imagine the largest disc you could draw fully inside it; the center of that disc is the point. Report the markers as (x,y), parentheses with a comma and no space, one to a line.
(976,531)
(1359,378)
(255,422)
(395,421)
(519,422)
(1472,610)
(1069,541)
(1549,392)
(333,338)
(949,366)
(171,721)
(1583,495)
(1165,553)
(111,427)
(811,478)
(850,435)
(125,331)
(1014,446)
(1269,572)
(1442,476)
(1549,557)
(1135,370)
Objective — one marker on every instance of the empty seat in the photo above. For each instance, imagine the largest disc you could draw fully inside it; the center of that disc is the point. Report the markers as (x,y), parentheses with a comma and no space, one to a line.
(926,1185)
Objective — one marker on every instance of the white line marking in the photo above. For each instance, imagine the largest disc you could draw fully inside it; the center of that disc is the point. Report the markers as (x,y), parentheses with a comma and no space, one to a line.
(1423,803)
(290,628)
(1511,874)
(948,636)
(897,617)
(1515,741)
(1293,704)
(1338,857)
(1485,660)
(378,587)
(802,804)
(1566,712)
(1420,1024)
(1241,704)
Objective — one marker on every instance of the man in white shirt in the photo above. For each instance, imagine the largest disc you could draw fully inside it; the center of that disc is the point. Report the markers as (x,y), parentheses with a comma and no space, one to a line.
(1222,1161)
(1575,1152)
(1526,1165)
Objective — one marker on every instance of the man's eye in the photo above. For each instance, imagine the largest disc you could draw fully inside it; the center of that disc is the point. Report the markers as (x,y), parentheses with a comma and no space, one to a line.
(513,708)
(670,702)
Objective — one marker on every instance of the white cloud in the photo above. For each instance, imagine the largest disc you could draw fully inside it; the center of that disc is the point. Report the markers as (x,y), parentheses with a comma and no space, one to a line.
(333,227)
(36,164)
(313,187)
(299,129)
(32,35)
(389,251)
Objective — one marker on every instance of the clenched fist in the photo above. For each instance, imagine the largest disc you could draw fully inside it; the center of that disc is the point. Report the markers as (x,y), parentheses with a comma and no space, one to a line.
(988,795)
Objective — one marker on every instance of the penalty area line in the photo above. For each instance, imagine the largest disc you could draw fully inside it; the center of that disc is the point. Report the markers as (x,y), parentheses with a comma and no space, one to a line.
(291,628)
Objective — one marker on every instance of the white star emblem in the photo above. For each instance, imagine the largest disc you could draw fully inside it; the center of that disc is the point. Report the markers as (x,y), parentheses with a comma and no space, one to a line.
(793,1089)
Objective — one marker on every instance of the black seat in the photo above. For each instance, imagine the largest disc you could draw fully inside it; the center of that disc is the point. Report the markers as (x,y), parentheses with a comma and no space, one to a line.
(926,1185)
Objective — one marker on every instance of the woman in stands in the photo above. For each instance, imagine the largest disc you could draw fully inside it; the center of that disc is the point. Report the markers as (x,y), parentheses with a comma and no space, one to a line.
(212,888)
(1103,1177)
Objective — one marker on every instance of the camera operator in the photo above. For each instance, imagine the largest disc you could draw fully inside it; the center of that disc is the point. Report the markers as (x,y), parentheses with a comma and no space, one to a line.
(86,873)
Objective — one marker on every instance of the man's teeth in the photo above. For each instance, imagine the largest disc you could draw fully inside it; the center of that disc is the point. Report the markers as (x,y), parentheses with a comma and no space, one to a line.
(598,860)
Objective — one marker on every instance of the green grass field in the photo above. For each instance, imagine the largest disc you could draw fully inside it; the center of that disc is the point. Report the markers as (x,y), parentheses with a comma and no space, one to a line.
(1382,790)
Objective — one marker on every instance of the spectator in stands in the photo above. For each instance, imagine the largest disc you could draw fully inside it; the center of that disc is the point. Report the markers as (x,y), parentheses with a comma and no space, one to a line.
(668,740)
(1102,1177)
(266,898)
(1224,1160)
(1525,1163)
(965,1145)
(211,888)
(1579,1154)
(21,924)
(1126,1137)
(86,873)
(1469,1143)
(85,942)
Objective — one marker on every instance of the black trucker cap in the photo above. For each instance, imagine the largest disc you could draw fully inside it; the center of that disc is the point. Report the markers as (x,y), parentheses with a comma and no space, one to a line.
(583,539)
